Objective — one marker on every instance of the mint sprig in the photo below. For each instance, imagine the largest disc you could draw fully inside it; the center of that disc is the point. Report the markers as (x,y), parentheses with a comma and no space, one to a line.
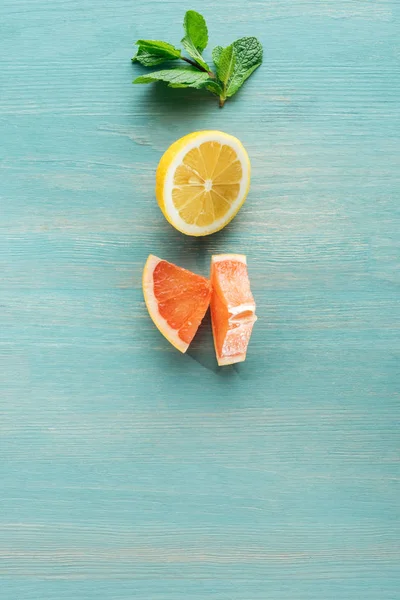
(234,64)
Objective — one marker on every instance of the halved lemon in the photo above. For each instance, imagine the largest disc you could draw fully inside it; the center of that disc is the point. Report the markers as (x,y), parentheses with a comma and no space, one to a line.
(176,299)
(202,181)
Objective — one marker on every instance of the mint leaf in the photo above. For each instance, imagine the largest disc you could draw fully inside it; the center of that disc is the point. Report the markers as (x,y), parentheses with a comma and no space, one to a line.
(236,63)
(224,60)
(153,52)
(181,77)
(196,29)
(191,50)
(147,59)
(216,53)
(196,37)
(214,87)
(248,54)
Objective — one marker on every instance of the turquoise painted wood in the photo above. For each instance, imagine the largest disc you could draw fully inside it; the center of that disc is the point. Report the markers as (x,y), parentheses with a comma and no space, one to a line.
(127,470)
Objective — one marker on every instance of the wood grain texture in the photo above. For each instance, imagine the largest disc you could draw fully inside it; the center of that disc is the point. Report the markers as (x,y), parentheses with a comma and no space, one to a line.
(130,471)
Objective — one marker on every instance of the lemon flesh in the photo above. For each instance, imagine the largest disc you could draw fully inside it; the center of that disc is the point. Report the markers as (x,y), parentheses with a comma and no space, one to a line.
(202,181)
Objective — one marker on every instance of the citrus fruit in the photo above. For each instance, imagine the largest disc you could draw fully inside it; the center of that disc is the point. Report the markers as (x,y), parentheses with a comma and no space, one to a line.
(202,180)
(232,307)
(176,299)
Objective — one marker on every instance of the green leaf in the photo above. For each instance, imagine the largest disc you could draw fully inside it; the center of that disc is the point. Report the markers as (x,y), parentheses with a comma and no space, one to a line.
(216,53)
(147,59)
(224,60)
(153,52)
(180,77)
(214,87)
(191,50)
(247,54)
(178,85)
(196,37)
(236,63)
(196,29)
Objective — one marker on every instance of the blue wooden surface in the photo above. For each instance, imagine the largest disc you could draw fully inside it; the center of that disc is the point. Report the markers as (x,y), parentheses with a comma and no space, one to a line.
(130,471)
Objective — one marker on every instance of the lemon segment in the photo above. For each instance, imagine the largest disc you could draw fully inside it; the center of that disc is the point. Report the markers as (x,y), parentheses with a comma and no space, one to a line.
(202,181)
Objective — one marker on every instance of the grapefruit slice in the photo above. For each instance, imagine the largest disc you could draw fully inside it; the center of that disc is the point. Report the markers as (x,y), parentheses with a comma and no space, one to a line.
(176,299)
(232,307)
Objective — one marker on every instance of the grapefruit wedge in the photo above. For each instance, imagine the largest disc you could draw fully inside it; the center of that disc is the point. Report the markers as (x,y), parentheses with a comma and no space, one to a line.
(232,307)
(176,299)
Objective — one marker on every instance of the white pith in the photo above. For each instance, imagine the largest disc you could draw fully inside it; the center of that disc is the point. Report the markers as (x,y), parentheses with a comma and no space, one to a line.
(234,257)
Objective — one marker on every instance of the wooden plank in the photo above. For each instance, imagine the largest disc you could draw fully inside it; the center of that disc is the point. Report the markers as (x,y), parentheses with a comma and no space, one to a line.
(128,470)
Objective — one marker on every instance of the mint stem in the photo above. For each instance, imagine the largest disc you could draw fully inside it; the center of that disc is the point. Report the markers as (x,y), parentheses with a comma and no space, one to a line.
(194,64)
(221,101)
